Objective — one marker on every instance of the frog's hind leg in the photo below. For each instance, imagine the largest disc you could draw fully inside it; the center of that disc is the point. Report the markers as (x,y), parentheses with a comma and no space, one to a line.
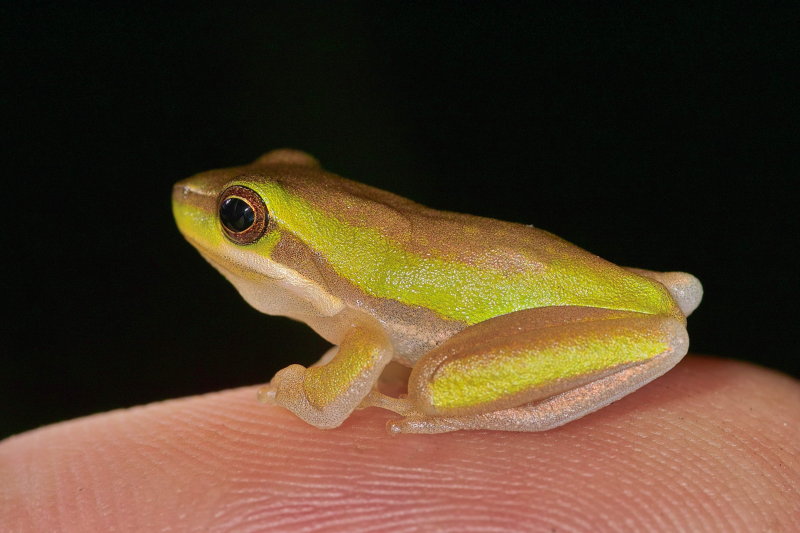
(685,289)
(538,369)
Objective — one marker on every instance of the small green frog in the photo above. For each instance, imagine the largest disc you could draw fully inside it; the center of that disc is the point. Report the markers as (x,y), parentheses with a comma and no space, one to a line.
(504,326)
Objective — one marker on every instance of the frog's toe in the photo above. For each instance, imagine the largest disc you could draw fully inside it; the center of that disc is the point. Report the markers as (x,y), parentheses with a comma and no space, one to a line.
(266,394)
(422,424)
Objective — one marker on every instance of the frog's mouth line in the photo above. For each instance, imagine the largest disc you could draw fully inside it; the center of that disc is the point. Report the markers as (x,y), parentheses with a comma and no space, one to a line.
(240,267)
(240,264)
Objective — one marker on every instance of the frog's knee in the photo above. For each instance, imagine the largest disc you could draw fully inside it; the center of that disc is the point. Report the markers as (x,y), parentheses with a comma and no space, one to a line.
(685,289)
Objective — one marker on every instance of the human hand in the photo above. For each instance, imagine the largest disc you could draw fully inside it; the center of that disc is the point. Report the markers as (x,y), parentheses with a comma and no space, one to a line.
(714,445)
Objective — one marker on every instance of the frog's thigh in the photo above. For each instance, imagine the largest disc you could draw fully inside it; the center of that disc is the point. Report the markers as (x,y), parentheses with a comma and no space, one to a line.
(325,394)
(684,288)
(541,376)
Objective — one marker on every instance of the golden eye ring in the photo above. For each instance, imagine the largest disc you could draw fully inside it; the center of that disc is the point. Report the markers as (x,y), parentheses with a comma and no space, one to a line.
(242,214)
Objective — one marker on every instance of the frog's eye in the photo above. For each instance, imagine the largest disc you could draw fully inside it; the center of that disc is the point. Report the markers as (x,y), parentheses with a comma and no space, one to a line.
(243,214)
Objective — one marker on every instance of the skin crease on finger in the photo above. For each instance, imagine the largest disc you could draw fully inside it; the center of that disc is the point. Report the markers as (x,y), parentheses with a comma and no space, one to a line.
(711,446)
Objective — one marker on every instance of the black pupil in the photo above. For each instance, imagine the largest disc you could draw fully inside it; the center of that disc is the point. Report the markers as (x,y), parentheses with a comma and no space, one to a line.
(236,214)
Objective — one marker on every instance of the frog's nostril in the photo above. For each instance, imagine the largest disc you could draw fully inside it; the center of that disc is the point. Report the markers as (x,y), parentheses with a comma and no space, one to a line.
(187,192)
(180,191)
(177,192)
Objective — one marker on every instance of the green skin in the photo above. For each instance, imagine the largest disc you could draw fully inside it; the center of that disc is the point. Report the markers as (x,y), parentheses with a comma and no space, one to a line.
(504,326)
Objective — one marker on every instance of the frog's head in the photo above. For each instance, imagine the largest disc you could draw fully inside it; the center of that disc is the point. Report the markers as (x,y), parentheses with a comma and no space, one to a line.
(236,217)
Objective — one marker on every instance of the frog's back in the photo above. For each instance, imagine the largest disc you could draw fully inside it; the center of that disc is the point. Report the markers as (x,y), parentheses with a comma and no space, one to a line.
(462,267)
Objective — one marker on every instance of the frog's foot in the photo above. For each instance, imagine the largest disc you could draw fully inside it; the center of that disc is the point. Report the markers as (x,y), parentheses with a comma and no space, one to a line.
(326,394)
(268,394)
(289,390)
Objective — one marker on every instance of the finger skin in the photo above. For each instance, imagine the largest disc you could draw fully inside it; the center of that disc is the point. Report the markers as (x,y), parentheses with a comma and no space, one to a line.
(711,446)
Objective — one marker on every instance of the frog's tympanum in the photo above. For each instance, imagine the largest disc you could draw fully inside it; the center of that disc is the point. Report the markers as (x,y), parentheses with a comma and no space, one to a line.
(503,326)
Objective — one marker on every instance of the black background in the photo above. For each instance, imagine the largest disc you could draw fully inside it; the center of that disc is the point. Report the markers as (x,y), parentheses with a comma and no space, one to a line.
(659,139)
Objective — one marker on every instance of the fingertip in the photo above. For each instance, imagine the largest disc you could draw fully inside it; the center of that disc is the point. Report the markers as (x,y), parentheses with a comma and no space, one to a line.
(711,445)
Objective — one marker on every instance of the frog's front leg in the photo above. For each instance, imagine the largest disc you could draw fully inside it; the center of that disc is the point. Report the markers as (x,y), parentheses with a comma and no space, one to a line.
(325,394)
(537,369)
